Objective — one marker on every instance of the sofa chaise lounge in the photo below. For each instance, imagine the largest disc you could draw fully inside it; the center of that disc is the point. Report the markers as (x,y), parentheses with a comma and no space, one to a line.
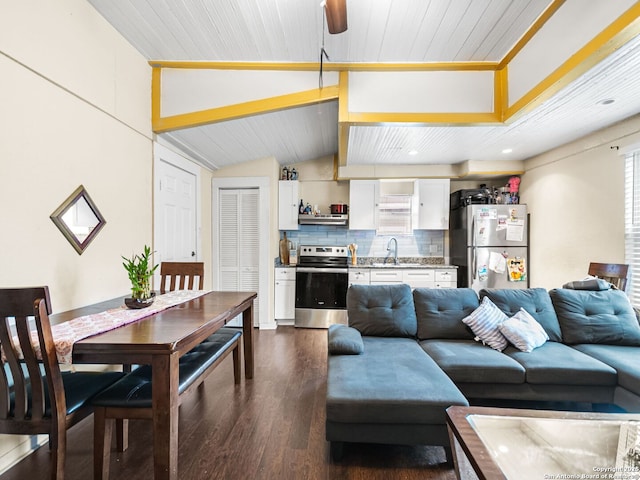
(406,356)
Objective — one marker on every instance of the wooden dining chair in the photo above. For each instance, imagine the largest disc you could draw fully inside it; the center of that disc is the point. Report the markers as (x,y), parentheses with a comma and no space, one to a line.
(181,276)
(614,273)
(36,397)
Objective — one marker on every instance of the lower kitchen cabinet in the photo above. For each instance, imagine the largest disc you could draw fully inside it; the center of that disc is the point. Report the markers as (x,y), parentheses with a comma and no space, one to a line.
(414,277)
(385,276)
(418,278)
(359,276)
(285,294)
(446,278)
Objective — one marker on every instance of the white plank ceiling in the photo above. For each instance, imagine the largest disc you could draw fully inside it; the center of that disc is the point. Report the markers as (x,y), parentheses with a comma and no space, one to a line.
(379,31)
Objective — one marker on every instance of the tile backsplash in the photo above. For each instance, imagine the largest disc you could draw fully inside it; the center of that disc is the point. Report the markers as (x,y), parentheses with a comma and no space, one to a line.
(423,243)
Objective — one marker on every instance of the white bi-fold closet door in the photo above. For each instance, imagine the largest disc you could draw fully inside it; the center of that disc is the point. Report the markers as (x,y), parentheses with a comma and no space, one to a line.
(239,241)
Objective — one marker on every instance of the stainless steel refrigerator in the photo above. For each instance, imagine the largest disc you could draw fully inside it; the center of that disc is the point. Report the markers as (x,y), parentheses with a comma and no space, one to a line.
(490,245)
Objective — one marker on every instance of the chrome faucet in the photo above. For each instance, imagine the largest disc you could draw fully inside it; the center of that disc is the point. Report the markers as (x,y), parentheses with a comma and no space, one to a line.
(395,250)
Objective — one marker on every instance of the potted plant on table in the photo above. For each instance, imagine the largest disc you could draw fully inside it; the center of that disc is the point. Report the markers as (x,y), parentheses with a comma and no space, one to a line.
(140,272)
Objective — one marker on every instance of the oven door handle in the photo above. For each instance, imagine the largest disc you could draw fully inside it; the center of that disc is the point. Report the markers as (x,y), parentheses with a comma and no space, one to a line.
(321,270)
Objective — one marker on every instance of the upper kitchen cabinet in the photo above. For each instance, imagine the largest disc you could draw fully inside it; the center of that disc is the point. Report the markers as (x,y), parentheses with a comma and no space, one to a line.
(363,204)
(433,204)
(288,198)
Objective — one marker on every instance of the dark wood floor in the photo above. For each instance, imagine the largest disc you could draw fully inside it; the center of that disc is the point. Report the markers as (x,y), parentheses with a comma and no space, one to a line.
(271,427)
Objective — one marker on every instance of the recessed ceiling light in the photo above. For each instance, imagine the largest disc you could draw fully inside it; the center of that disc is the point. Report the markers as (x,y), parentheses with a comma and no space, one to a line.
(413,152)
(606,101)
(507,150)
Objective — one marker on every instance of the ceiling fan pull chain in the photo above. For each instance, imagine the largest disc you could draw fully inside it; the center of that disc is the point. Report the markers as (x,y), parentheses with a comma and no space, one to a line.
(323,55)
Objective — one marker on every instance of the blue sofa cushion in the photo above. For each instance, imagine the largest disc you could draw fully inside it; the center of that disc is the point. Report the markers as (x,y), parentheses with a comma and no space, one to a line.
(535,301)
(557,364)
(624,359)
(382,310)
(393,381)
(343,340)
(605,317)
(468,361)
(440,312)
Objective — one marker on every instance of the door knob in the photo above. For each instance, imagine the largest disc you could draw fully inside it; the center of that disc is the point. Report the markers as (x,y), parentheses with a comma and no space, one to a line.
(193,254)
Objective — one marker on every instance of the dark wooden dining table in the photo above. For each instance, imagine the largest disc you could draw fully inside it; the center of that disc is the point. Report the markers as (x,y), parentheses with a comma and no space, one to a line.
(160,340)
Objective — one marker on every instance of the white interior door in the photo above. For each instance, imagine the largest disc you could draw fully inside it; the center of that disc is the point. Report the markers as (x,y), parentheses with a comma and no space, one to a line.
(176,229)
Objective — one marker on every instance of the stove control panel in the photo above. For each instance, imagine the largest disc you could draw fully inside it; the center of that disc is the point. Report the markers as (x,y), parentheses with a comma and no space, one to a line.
(322,251)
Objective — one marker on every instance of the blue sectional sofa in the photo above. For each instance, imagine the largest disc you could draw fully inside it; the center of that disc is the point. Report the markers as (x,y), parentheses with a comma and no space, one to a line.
(406,356)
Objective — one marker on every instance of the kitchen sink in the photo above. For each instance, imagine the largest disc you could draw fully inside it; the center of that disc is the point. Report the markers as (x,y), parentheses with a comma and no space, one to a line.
(392,265)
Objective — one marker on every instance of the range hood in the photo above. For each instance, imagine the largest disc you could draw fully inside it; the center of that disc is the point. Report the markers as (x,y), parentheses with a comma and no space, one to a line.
(323,219)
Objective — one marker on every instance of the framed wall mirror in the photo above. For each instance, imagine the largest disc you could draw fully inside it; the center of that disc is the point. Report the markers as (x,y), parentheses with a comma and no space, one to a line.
(78,219)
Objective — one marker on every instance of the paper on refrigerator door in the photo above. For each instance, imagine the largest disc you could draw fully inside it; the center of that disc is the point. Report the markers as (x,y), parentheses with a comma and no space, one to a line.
(497,262)
(515,230)
(517,269)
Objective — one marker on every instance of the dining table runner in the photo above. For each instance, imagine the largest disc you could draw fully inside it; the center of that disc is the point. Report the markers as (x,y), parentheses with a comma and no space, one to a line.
(65,334)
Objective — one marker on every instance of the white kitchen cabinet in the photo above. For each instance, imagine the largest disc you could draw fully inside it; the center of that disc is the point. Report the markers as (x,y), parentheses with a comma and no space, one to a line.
(433,204)
(446,278)
(285,293)
(288,202)
(363,204)
(359,276)
(414,277)
(418,278)
(384,276)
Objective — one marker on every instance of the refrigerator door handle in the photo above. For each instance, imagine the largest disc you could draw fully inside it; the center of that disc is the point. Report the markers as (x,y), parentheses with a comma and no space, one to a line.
(473,248)
(473,263)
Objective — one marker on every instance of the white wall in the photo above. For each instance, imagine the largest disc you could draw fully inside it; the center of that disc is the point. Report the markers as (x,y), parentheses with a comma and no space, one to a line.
(575,195)
(75,109)
(60,130)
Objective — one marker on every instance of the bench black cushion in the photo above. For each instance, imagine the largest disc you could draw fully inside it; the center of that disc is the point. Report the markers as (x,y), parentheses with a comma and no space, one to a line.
(134,389)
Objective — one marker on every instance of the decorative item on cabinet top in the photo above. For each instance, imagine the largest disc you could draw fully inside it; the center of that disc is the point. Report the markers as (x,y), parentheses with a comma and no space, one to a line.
(289,173)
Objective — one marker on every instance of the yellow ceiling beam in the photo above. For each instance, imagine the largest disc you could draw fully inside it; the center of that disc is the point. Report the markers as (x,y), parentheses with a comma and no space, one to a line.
(501,92)
(329,66)
(156,90)
(343,118)
(424,119)
(240,110)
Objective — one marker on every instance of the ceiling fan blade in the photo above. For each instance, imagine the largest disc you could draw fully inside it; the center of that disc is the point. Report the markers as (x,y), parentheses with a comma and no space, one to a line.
(336,11)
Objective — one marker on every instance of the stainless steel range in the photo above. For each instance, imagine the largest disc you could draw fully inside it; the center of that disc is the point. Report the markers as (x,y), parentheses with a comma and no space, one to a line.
(322,279)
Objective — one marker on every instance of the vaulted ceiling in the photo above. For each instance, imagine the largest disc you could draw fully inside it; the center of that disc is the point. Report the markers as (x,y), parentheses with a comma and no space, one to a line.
(380,32)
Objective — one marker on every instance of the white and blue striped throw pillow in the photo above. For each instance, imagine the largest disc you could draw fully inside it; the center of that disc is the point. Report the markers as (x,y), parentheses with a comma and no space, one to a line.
(523,331)
(484,322)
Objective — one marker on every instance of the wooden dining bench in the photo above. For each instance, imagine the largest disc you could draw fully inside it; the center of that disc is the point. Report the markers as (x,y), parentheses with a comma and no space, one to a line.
(130,397)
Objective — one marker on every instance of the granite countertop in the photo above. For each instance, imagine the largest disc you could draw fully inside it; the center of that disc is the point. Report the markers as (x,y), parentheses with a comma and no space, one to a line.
(403,263)
(379,262)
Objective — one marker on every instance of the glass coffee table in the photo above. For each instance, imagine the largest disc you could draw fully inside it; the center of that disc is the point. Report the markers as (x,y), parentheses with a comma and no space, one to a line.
(513,444)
